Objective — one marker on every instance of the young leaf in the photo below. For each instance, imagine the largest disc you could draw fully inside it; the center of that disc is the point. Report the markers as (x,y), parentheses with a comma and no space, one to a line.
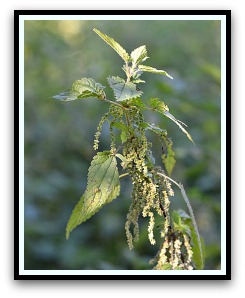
(102,187)
(137,81)
(153,70)
(158,105)
(138,103)
(123,90)
(139,55)
(116,46)
(82,88)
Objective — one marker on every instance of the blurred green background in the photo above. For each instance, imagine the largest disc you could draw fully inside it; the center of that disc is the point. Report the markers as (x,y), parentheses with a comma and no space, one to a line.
(59,136)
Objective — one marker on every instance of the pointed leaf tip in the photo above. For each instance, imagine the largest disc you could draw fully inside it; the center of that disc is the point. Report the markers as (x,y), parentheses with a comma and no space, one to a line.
(139,55)
(154,70)
(103,186)
(177,122)
(115,45)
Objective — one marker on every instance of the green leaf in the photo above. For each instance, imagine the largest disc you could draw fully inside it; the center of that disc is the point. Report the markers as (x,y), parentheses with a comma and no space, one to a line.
(123,136)
(123,90)
(121,157)
(176,121)
(183,214)
(144,125)
(176,217)
(197,250)
(120,126)
(137,81)
(158,105)
(197,254)
(161,107)
(87,87)
(116,46)
(83,88)
(157,130)
(102,187)
(139,55)
(138,103)
(179,225)
(153,70)
(169,158)
(198,247)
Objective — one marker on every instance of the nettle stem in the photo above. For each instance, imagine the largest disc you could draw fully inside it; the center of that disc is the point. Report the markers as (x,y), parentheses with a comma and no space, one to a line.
(113,102)
(123,175)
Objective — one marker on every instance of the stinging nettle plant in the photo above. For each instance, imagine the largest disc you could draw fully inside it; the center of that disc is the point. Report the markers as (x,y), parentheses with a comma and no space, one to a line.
(180,247)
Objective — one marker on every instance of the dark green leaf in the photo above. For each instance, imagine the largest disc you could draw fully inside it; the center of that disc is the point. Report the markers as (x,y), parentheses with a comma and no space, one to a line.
(197,250)
(197,254)
(120,126)
(169,159)
(102,187)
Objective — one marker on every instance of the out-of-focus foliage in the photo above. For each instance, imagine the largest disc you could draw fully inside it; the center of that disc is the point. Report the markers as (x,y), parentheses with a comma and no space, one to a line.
(59,136)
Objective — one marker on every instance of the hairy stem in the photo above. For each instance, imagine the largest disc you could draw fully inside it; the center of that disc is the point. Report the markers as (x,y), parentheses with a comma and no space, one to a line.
(123,175)
(114,103)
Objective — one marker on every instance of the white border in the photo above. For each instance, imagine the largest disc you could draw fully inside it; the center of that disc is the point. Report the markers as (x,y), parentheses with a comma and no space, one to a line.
(122,272)
(24,272)
(122,17)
